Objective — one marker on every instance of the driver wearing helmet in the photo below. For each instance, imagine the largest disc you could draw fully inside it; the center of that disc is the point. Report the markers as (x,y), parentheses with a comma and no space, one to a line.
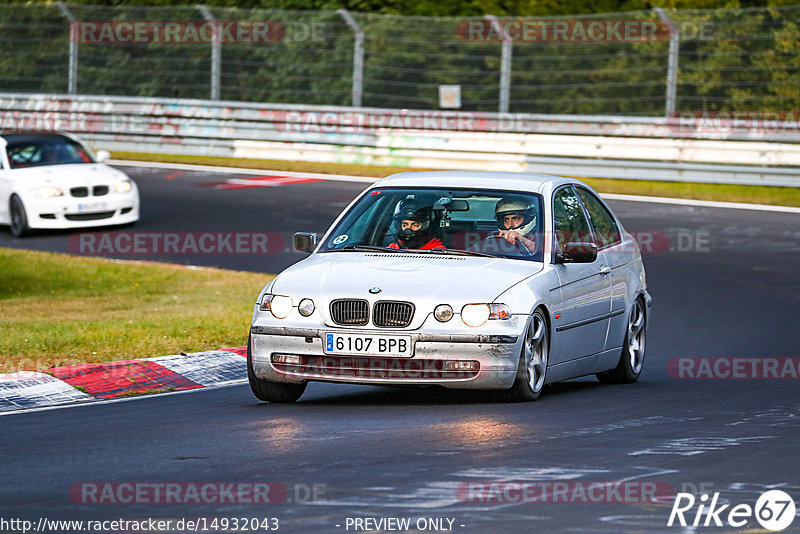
(516,220)
(412,224)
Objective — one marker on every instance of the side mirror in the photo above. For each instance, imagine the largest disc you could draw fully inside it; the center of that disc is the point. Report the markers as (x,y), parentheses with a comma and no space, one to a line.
(305,241)
(103,156)
(576,252)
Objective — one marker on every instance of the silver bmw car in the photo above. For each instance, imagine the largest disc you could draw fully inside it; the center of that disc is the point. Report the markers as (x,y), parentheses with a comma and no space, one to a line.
(472,280)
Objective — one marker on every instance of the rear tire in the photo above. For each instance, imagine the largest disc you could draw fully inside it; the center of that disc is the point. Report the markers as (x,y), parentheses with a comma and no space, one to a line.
(19,219)
(532,368)
(276,392)
(631,361)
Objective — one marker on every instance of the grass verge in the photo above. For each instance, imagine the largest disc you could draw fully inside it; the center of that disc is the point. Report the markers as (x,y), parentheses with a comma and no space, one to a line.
(57,309)
(777,196)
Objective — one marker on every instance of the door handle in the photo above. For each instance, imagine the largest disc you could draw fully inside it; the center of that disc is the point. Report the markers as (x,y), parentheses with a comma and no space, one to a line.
(605,269)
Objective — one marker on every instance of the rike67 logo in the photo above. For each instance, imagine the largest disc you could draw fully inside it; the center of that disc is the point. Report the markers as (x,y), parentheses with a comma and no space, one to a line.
(774,510)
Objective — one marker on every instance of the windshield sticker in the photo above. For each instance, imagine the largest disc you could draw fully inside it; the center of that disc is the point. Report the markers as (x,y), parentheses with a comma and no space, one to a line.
(340,239)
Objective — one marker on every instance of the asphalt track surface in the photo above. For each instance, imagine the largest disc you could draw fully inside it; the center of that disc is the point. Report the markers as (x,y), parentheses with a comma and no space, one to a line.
(727,285)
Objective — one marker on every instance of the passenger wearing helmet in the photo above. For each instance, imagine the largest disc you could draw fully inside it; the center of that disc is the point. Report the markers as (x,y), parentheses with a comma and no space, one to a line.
(413,225)
(516,220)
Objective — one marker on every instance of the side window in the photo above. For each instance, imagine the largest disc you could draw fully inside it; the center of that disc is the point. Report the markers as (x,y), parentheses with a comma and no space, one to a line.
(570,222)
(361,226)
(605,227)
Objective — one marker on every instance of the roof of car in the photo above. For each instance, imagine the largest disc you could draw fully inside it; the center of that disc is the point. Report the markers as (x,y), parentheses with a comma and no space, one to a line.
(474,180)
(27,137)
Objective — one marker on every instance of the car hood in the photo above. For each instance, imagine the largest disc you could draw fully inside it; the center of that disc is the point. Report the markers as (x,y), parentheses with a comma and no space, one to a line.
(69,175)
(402,276)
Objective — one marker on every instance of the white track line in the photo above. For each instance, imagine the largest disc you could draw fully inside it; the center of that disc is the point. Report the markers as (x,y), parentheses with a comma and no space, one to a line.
(702,203)
(366,179)
(238,170)
(97,402)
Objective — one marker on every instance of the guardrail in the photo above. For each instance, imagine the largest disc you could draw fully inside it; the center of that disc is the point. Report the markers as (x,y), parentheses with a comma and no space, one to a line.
(711,149)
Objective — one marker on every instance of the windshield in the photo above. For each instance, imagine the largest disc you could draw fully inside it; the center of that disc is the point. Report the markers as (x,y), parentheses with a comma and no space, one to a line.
(46,151)
(498,223)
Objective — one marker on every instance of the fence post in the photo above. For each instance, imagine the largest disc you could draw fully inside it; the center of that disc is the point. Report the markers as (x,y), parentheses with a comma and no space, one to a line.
(216,52)
(73,48)
(505,64)
(358,56)
(672,64)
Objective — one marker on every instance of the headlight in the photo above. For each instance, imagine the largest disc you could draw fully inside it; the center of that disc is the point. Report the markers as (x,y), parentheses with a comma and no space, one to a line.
(279,305)
(48,191)
(123,186)
(477,314)
(443,313)
(306,307)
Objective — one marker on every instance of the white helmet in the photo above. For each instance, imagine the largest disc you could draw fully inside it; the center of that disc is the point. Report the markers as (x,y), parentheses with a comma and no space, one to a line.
(516,206)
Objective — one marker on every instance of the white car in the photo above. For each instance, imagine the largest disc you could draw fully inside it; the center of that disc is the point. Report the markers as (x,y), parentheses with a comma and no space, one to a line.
(493,281)
(51,180)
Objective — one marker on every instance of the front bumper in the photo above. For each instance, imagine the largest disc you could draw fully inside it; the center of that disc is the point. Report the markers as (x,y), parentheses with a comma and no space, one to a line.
(89,212)
(497,357)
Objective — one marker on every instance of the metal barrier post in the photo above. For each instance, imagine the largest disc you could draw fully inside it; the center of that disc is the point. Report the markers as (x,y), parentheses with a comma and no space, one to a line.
(216,52)
(505,64)
(358,56)
(73,48)
(672,65)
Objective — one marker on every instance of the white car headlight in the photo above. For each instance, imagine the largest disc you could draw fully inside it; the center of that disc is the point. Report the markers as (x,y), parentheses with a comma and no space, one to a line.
(48,191)
(279,305)
(443,313)
(306,307)
(477,314)
(123,186)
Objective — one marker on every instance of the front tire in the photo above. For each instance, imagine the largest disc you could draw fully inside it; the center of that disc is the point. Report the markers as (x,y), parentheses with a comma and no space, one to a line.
(631,360)
(19,219)
(532,368)
(276,392)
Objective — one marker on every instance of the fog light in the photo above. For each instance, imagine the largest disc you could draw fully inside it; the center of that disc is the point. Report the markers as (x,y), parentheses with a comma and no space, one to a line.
(306,307)
(443,313)
(461,365)
(286,359)
(475,314)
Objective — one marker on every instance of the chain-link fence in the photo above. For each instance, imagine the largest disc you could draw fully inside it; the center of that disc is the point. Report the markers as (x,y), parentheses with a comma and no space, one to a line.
(635,63)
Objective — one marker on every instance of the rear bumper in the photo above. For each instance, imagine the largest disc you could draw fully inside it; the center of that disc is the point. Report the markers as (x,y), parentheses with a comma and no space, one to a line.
(497,357)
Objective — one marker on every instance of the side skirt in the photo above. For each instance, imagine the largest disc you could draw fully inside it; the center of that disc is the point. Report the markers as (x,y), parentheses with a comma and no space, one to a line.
(586,365)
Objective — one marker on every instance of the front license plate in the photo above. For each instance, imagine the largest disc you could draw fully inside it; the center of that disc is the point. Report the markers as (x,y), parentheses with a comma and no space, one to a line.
(368,345)
(92,206)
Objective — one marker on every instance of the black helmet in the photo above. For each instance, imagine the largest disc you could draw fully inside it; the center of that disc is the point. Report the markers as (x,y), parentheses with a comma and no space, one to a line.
(516,206)
(412,209)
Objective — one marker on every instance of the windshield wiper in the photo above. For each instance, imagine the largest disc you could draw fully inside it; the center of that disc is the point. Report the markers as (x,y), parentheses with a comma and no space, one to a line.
(371,248)
(456,252)
(364,248)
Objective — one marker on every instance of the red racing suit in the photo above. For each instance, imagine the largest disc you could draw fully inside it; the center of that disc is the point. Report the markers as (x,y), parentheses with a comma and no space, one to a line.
(433,243)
